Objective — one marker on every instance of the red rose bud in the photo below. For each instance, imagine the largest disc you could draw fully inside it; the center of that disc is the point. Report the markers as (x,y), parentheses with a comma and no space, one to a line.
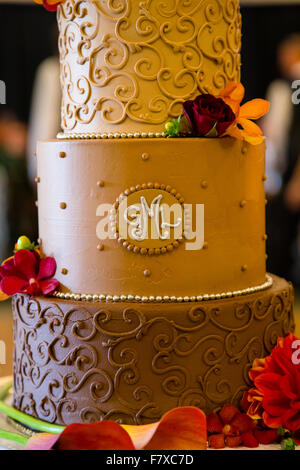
(227,413)
(266,436)
(233,441)
(217,441)
(208,116)
(249,440)
(214,424)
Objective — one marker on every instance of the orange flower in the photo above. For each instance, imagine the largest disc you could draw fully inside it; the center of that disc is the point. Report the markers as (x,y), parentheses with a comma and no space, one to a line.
(244,128)
(179,429)
(50,5)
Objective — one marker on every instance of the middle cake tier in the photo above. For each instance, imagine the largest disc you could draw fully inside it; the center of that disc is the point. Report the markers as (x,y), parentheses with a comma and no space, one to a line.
(218,185)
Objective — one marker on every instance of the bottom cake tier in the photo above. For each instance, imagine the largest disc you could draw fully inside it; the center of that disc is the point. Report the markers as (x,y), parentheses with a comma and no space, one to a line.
(79,361)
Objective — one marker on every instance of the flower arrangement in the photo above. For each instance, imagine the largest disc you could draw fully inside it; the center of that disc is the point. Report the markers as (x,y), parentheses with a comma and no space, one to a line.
(221,115)
(232,428)
(275,398)
(27,272)
(50,5)
(181,428)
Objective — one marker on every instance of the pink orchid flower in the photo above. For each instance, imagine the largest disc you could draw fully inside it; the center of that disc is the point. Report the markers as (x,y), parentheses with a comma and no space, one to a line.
(27,273)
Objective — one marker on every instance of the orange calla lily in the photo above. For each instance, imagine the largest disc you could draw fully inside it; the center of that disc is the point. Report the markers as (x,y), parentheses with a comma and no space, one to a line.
(180,429)
(244,128)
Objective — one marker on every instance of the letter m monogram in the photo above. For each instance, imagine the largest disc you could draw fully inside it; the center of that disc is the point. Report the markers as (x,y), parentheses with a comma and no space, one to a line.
(2,92)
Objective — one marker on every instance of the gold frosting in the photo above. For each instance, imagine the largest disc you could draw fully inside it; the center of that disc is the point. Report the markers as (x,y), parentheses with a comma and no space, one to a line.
(233,235)
(127,65)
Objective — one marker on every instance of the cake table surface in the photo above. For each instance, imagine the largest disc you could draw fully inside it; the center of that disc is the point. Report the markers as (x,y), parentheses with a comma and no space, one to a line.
(5,445)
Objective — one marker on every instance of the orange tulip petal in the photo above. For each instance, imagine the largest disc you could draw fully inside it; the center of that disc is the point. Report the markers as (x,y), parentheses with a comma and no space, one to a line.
(254,109)
(180,429)
(250,127)
(39,2)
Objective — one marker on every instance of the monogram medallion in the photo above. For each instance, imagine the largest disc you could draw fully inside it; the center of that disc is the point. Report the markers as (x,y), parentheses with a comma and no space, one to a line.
(149,219)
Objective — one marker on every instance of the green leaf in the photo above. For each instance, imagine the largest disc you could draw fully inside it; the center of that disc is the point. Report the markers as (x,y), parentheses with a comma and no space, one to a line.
(288,444)
(213,132)
(172,128)
(281,431)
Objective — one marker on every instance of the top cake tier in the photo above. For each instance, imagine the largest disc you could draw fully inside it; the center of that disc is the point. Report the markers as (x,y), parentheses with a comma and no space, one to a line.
(127,65)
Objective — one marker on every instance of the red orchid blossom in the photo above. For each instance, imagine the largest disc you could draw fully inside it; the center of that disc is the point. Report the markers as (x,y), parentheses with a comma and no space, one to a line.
(232,428)
(27,273)
(179,429)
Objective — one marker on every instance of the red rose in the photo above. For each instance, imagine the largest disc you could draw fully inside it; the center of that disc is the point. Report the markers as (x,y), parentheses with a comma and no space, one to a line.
(207,114)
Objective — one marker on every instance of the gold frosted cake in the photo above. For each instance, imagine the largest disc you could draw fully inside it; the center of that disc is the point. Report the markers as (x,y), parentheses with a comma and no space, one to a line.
(140,325)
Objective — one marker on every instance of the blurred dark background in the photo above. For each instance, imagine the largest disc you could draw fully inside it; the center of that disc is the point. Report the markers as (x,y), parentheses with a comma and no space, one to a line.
(264,28)
(25,41)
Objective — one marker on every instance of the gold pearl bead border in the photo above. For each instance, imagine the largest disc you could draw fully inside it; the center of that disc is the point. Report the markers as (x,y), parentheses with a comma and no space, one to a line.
(112,135)
(152,299)
(21,428)
(131,246)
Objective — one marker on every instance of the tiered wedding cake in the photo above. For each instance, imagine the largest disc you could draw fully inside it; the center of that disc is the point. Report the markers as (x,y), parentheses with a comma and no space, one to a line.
(143,324)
